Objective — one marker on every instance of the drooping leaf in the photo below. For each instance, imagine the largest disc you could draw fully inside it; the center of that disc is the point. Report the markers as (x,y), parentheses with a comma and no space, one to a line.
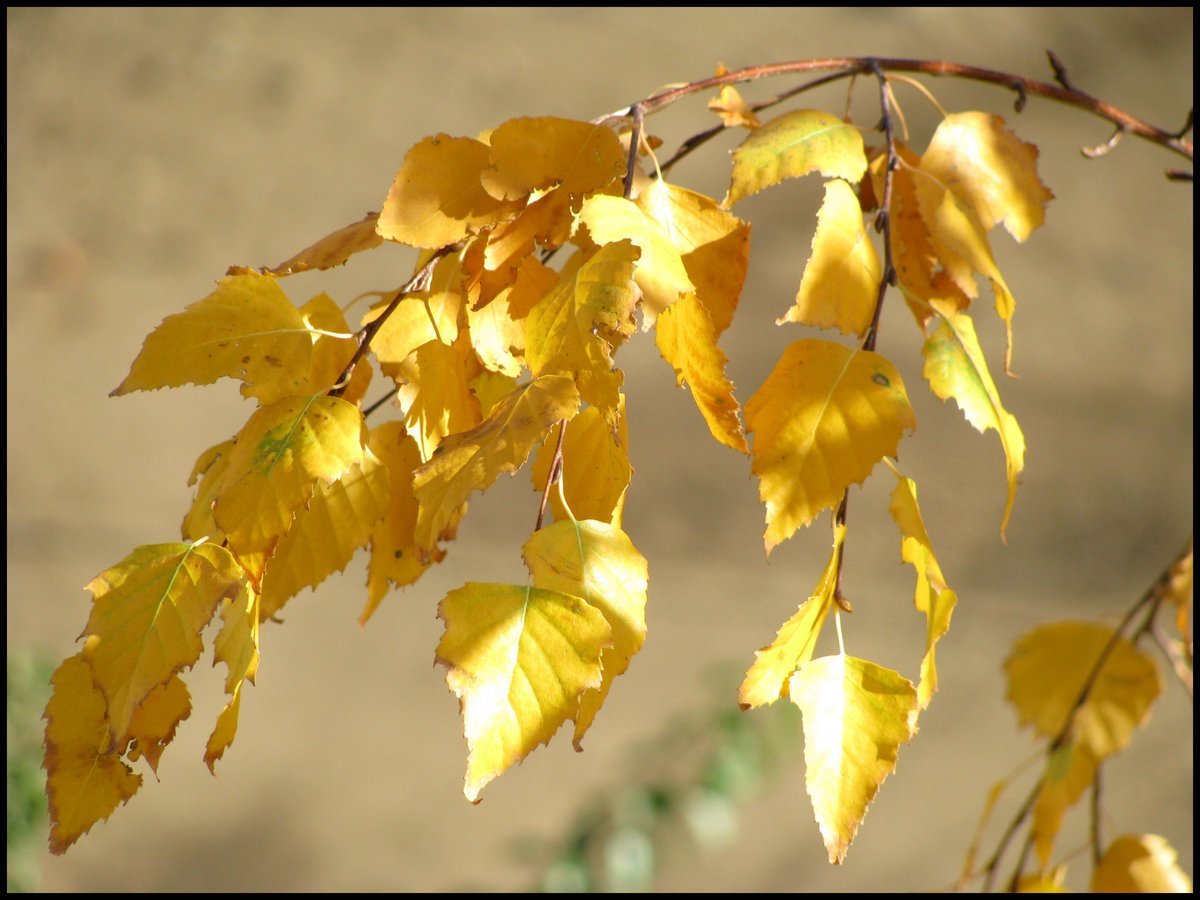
(821,421)
(247,329)
(1070,770)
(435,393)
(334,249)
(473,460)
(841,280)
(933,596)
(498,337)
(154,722)
(209,470)
(955,367)
(659,270)
(729,105)
(437,198)
(574,328)
(767,678)
(85,776)
(1048,668)
(792,146)
(598,562)
(274,466)
(421,317)
(326,533)
(147,615)
(533,154)
(596,469)
(333,347)
(990,168)
(856,717)
(237,647)
(518,659)
(1140,864)
(395,557)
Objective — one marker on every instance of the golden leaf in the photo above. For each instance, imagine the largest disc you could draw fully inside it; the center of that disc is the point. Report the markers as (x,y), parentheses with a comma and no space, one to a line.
(596,469)
(333,347)
(333,249)
(533,154)
(237,647)
(1140,864)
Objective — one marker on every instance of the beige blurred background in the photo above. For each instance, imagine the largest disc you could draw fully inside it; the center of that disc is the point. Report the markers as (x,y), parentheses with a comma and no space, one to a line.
(150,149)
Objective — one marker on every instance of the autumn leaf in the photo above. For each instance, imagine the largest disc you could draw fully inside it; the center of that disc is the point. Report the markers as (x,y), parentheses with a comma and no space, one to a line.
(247,329)
(209,471)
(841,280)
(334,249)
(147,615)
(435,393)
(533,154)
(985,164)
(955,367)
(659,270)
(437,198)
(395,557)
(154,722)
(933,597)
(1070,770)
(822,420)
(1140,864)
(325,534)
(729,105)
(423,316)
(596,469)
(856,716)
(1048,668)
(598,562)
(767,679)
(333,347)
(86,778)
(517,658)
(792,146)
(237,647)
(473,460)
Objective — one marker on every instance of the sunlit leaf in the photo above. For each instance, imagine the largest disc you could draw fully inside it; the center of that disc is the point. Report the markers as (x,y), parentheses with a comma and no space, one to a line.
(1140,864)
(333,347)
(237,647)
(856,717)
(435,393)
(154,722)
(596,469)
(794,145)
(821,421)
(533,154)
(333,249)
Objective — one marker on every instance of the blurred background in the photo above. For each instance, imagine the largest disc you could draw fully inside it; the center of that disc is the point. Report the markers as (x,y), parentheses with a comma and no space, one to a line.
(148,150)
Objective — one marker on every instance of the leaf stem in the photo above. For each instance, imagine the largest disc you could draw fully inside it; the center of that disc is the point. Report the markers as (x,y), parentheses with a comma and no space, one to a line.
(554,475)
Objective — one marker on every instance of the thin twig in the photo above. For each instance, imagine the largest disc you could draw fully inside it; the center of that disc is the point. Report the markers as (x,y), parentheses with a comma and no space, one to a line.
(555,473)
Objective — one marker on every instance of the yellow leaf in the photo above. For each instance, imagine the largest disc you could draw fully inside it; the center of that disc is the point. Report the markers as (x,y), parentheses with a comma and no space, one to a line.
(767,678)
(436,394)
(991,169)
(237,647)
(517,658)
(599,563)
(1070,770)
(437,199)
(532,154)
(659,271)
(498,337)
(395,557)
(822,420)
(247,328)
(574,328)
(955,367)
(792,146)
(933,596)
(154,722)
(1051,881)
(473,460)
(333,347)
(210,471)
(596,469)
(729,105)
(278,457)
(1140,864)
(962,247)
(856,716)
(841,280)
(325,534)
(333,249)
(1047,671)
(85,776)
(147,615)
(423,316)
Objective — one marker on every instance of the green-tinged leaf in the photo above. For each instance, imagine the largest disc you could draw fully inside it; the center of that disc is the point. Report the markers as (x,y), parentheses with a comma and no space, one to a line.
(473,460)
(598,562)
(518,659)
(767,678)
(278,458)
(247,328)
(856,717)
(1047,671)
(955,368)
(932,597)
(841,280)
(147,615)
(792,146)
(821,421)
(86,778)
